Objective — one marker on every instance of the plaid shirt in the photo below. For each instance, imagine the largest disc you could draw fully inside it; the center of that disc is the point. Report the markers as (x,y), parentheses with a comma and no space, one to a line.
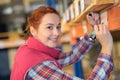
(48,70)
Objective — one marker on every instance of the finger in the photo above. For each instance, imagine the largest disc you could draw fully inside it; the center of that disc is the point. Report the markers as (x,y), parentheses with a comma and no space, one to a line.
(90,20)
(96,28)
(88,17)
(97,18)
(91,14)
(105,28)
(100,27)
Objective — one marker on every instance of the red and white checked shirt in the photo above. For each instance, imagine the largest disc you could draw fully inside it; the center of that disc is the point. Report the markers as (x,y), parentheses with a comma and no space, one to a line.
(48,70)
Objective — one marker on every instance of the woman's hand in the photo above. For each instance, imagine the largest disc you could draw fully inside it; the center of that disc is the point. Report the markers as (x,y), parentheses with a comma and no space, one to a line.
(104,37)
(102,33)
(93,18)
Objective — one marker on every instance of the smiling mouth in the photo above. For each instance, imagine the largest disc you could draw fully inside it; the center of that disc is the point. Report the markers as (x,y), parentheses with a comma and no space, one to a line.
(54,39)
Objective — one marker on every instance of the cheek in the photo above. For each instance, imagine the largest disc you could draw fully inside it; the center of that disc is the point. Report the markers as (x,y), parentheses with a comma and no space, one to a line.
(40,34)
(44,35)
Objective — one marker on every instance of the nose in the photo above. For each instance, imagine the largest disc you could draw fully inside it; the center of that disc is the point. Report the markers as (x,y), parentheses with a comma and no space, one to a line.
(56,32)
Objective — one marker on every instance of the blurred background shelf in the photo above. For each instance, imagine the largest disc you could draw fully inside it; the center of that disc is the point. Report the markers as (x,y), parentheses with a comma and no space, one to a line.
(10,40)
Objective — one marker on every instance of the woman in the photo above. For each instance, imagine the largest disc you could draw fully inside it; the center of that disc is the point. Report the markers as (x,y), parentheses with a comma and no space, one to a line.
(39,59)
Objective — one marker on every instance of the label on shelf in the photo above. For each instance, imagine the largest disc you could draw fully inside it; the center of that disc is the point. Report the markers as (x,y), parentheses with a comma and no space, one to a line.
(71,12)
(67,15)
(64,18)
(82,4)
(77,8)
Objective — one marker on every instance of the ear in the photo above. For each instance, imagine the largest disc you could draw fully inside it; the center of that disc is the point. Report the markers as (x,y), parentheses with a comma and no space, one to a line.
(33,31)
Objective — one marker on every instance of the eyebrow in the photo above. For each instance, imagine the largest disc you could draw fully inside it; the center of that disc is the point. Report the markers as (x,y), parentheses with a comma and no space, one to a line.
(49,24)
(52,24)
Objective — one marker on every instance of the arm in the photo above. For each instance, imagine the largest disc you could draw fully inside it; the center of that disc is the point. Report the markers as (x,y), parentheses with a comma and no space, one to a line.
(104,65)
(105,58)
(103,68)
(81,48)
(49,70)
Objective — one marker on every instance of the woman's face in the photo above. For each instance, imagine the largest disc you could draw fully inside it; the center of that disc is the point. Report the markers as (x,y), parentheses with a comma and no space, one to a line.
(49,30)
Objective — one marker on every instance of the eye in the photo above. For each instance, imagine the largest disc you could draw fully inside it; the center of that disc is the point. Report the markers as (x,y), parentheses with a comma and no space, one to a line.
(59,27)
(50,27)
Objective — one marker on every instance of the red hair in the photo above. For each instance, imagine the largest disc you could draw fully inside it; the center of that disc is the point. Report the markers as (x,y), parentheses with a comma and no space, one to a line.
(35,18)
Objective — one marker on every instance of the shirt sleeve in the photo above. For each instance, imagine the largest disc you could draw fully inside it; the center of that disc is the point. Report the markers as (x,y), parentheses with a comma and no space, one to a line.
(48,70)
(81,48)
(103,68)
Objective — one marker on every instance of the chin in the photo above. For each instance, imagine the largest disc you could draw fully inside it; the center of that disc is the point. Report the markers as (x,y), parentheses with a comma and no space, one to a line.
(52,45)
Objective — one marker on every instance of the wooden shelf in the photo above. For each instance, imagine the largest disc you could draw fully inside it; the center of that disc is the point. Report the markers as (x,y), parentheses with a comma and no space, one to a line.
(11,44)
(95,6)
(13,40)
